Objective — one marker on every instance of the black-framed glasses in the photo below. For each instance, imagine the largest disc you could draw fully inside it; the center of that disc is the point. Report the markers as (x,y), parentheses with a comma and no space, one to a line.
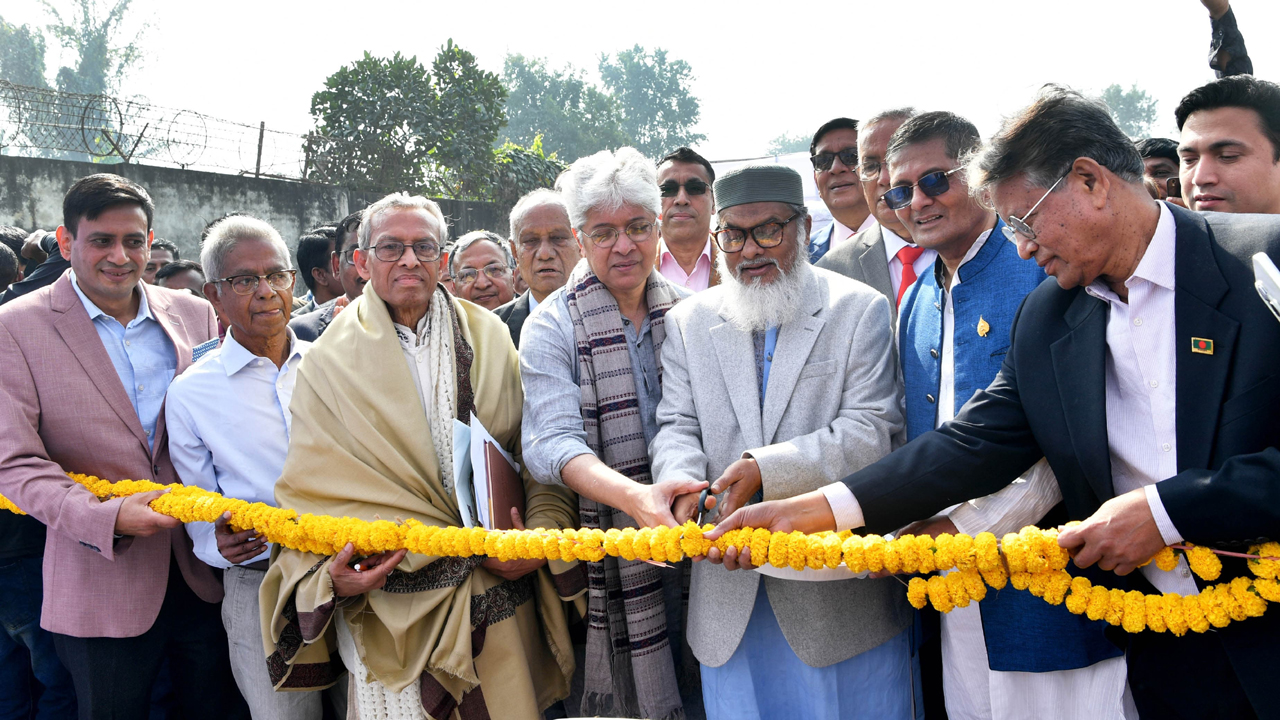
(823,160)
(766,235)
(393,250)
(692,186)
(932,184)
(637,232)
(247,284)
(494,271)
(1019,225)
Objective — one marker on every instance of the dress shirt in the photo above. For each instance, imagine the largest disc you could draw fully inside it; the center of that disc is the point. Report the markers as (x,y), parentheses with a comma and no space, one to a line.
(1142,432)
(533,303)
(696,281)
(552,431)
(142,353)
(228,419)
(892,244)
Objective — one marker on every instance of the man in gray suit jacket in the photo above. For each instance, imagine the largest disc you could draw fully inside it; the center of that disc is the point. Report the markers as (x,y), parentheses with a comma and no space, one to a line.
(775,383)
(875,255)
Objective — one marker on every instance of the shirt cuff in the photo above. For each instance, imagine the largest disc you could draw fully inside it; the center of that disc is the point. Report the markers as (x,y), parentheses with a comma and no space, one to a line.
(844,506)
(1163,523)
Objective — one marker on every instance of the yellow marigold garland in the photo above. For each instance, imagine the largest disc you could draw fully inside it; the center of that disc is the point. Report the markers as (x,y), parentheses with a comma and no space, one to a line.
(1030,559)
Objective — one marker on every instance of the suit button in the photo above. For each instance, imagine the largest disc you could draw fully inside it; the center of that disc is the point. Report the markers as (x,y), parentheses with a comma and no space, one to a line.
(155,469)
(930,398)
(933,352)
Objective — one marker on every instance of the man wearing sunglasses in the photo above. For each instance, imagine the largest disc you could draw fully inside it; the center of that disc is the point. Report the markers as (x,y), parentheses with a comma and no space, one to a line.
(1145,374)
(776,383)
(686,255)
(834,154)
(954,333)
(310,326)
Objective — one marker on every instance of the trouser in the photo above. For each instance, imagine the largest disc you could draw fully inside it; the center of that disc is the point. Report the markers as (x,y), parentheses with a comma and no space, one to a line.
(33,682)
(241,618)
(113,676)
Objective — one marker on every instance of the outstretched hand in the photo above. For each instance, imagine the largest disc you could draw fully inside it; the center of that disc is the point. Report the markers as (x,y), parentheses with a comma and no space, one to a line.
(1120,536)
(650,505)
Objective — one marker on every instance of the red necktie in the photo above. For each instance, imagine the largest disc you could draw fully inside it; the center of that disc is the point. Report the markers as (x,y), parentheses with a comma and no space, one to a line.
(907,256)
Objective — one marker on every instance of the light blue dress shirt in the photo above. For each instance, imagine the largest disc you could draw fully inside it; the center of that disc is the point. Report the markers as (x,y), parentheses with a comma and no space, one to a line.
(142,353)
(228,422)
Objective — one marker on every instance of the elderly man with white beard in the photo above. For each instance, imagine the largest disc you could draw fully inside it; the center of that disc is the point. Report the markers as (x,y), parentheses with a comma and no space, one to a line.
(775,383)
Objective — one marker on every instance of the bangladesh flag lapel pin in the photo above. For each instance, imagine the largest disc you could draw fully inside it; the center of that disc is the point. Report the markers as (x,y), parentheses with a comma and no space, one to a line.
(1202,346)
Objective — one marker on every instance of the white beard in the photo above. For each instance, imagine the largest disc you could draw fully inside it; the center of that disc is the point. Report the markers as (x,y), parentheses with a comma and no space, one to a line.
(754,307)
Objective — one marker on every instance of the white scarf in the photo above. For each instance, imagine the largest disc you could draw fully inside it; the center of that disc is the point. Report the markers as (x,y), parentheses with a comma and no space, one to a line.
(431,362)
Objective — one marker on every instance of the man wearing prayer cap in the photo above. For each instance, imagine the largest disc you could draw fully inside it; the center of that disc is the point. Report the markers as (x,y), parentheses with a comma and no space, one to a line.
(775,383)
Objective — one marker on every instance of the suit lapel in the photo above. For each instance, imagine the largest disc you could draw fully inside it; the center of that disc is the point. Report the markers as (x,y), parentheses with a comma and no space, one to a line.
(78,332)
(1201,378)
(795,342)
(875,267)
(736,356)
(1080,366)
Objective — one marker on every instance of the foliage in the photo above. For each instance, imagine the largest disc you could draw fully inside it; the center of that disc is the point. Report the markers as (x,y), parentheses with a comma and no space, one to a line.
(573,117)
(470,101)
(520,170)
(1133,110)
(786,143)
(93,31)
(22,55)
(658,111)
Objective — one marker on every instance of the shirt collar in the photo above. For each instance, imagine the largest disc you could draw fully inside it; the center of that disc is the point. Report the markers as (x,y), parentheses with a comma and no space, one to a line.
(533,302)
(1156,265)
(235,357)
(892,243)
(840,232)
(973,251)
(664,254)
(144,308)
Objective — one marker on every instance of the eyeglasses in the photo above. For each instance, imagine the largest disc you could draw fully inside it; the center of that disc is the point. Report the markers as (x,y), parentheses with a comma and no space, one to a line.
(693,186)
(870,170)
(1019,225)
(823,160)
(247,284)
(348,255)
(933,185)
(466,276)
(766,235)
(391,251)
(636,231)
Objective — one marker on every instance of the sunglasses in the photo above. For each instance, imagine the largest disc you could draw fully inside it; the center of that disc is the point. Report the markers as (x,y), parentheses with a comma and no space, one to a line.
(1019,226)
(933,185)
(692,186)
(823,160)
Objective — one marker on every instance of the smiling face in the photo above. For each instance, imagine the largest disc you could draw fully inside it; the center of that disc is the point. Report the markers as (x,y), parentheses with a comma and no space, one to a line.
(872,143)
(264,313)
(1228,164)
(839,186)
(754,265)
(487,292)
(405,284)
(623,268)
(948,223)
(545,249)
(108,254)
(686,219)
(159,258)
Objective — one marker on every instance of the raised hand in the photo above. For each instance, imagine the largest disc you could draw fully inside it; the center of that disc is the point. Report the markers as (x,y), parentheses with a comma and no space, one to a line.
(650,505)
(742,480)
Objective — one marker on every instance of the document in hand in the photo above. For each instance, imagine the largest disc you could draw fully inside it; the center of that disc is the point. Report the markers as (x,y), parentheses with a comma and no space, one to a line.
(462,474)
(495,480)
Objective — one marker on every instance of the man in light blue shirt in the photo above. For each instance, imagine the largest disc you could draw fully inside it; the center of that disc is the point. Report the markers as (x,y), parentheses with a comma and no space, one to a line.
(228,419)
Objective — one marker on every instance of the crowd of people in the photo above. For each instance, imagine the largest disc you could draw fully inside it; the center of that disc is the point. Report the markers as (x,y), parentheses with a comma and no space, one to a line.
(645,332)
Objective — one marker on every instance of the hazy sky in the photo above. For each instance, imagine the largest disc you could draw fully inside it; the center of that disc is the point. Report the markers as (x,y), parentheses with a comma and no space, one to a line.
(761,68)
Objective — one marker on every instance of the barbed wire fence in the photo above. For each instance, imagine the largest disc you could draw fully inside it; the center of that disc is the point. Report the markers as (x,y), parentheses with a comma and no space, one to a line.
(38,122)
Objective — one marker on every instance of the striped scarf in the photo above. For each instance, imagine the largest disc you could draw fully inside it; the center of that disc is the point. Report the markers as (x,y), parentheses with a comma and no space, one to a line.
(629,662)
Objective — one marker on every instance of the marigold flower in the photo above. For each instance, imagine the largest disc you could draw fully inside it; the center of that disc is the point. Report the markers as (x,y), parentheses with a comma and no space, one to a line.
(1194,612)
(797,550)
(996,577)
(1020,580)
(640,546)
(626,549)
(852,548)
(1268,589)
(760,546)
(986,552)
(1204,563)
(1135,612)
(1057,583)
(816,553)
(1175,614)
(1015,553)
(918,593)
(959,592)
(1263,567)
(1099,603)
(1078,600)
(973,584)
(873,552)
(778,546)
(940,594)
(831,548)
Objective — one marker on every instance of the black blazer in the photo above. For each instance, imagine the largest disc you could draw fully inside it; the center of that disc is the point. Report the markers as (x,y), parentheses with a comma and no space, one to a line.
(514,314)
(1050,399)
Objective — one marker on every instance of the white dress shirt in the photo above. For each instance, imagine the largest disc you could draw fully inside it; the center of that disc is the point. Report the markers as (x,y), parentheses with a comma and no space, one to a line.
(228,421)
(892,244)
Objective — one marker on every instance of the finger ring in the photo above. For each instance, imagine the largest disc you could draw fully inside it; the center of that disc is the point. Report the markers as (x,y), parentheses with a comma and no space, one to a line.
(356,567)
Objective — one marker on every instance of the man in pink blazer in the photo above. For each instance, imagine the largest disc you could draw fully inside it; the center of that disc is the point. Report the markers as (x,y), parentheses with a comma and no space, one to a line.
(84,366)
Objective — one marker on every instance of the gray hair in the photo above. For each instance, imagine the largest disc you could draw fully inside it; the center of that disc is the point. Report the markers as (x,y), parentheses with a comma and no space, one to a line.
(400,201)
(471,238)
(1046,138)
(541,197)
(901,114)
(222,236)
(609,180)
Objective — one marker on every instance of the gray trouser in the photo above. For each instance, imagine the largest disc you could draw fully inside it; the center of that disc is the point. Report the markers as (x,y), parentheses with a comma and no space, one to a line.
(240,616)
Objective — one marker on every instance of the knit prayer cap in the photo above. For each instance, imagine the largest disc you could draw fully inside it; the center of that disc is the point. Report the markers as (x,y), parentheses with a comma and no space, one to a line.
(759,183)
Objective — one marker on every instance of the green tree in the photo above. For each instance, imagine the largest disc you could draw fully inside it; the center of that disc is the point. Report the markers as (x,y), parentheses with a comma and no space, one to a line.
(102,57)
(658,111)
(573,117)
(471,100)
(1133,110)
(520,170)
(22,55)
(787,143)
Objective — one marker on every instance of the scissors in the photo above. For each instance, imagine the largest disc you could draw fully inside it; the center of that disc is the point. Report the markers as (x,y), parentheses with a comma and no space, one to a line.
(702,503)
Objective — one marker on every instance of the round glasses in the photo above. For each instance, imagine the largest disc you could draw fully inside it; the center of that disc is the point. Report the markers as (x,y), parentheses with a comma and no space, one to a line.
(393,250)
(932,184)
(1019,226)
(467,276)
(638,232)
(247,284)
(766,235)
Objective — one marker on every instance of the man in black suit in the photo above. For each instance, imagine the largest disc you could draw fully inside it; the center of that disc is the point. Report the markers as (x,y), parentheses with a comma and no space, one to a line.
(545,250)
(1146,375)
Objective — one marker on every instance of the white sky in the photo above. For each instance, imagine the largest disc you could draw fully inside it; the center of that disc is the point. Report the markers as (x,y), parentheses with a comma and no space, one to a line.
(761,68)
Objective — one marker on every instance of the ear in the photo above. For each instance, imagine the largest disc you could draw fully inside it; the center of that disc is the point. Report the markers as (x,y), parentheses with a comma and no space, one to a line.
(151,236)
(212,294)
(362,264)
(334,265)
(318,275)
(64,241)
(1092,179)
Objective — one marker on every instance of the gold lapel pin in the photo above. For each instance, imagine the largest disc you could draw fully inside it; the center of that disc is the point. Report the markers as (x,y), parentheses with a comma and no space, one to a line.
(983,327)
(1202,346)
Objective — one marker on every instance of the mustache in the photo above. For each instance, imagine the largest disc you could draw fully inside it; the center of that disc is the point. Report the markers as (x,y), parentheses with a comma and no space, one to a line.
(753,264)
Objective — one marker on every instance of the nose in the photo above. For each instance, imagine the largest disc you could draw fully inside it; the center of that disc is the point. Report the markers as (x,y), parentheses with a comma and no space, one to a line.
(919,199)
(408,258)
(545,250)
(682,196)
(1202,174)
(117,255)
(482,280)
(264,290)
(1026,248)
(624,244)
